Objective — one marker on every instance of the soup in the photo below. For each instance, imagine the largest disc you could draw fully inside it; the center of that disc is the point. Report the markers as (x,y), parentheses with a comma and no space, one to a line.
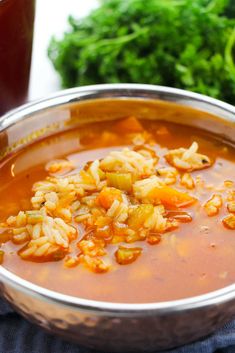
(130,211)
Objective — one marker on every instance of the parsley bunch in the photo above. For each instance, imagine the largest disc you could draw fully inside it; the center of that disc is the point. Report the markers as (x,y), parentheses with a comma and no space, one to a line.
(187,44)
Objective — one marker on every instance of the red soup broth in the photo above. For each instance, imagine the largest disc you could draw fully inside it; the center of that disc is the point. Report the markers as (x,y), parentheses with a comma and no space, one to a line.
(193,259)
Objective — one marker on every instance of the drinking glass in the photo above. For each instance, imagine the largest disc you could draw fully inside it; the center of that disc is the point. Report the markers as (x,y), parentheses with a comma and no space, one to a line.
(16,34)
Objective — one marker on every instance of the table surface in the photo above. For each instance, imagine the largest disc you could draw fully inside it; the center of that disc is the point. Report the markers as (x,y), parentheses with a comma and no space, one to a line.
(51,19)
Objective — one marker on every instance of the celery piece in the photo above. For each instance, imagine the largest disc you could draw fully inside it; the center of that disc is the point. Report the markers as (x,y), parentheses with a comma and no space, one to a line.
(122,181)
(139,215)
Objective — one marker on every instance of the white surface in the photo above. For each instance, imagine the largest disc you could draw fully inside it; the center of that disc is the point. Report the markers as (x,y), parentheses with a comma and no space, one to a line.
(51,19)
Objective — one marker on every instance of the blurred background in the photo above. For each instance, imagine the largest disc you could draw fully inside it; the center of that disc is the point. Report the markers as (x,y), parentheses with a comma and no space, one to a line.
(187,44)
(51,19)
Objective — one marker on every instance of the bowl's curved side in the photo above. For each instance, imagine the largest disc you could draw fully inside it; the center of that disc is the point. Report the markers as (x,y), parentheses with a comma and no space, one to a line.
(103,326)
(38,119)
(120,332)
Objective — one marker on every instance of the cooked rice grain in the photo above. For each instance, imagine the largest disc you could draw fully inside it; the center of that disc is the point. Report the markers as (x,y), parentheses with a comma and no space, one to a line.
(188,159)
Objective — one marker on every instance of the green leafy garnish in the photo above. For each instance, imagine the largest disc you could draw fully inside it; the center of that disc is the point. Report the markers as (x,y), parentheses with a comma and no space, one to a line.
(188,44)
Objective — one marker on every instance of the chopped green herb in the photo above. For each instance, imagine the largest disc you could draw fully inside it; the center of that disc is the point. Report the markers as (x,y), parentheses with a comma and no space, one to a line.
(188,44)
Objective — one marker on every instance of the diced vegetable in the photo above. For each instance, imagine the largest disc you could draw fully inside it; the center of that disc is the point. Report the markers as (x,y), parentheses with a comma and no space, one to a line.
(229,221)
(4,237)
(117,239)
(1,256)
(162,131)
(107,196)
(171,197)
(125,256)
(101,174)
(129,125)
(135,236)
(153,239)
(139,215)
(109,138)
(122,181)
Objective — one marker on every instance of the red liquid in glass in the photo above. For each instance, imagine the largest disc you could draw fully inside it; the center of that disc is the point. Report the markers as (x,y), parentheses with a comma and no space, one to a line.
(16,33)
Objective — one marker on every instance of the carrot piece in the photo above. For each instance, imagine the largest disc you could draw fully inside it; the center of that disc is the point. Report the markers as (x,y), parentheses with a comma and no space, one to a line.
(125,256)
(172,197)
(107,196)
(162,130)
(109,138)
(128,125)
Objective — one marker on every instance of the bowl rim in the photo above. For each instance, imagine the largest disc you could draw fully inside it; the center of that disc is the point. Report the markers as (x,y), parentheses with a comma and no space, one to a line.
(85,93)
(71,95)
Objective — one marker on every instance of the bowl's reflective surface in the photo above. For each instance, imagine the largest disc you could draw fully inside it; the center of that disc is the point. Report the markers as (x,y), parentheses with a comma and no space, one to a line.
(110,326)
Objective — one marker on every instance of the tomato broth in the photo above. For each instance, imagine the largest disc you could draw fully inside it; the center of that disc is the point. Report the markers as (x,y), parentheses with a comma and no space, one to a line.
(194,258)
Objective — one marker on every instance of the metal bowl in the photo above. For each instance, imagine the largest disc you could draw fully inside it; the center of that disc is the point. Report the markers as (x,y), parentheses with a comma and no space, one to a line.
(113,326)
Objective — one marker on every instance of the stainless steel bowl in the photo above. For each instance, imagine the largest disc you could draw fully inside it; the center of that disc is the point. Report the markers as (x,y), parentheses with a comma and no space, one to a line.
(113,326)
